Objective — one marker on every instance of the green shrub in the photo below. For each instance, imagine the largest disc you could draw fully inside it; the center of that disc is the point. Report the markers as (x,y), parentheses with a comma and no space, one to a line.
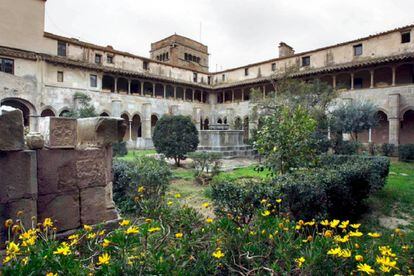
(406,153)
(119,149)
(175,136)
(346,147)
(388,149)
(140,184)
(206,163)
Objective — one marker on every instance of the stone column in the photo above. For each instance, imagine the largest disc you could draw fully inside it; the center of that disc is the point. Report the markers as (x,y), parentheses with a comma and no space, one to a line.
(334,81)
(116,85)
(175,92)
(34,123)
(192,93)
(165,91)
(202,95)
(142,88)
(230,117)
(369,135)
(232,95)
(242,91)
(146,121)
(212,98)
(264,91)
(196,117)
(394,118)
(116,108)
(153,90)
(130,130)
(129,87)
(352,81)
(372,78)
(394,69)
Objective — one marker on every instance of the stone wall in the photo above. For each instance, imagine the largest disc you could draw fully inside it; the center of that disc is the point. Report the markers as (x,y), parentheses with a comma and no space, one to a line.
(63,172)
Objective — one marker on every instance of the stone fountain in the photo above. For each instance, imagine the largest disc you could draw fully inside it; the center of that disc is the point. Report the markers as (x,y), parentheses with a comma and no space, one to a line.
(219,138)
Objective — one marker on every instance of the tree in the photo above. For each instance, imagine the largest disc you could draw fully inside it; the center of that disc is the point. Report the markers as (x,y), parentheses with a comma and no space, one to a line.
(84,110)
(354,118)
(175,136)
(286,139)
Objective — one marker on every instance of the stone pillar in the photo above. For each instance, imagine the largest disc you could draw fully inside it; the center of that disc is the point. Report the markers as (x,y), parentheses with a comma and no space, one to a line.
(116,85)
(394,118)
(116,108)
(334,81)
(165,91)
(153,90)
(264,91)
(352,81)
(192,94)
(34,123)
(372,78)
(129,87)
(130,130)
(242,90)
(369,135)
(394,69)
(202,96)
(146,121)
(230,117)
(232,95)
(175,92)
(212,98)
(174,110)
(142,88)
(196,117)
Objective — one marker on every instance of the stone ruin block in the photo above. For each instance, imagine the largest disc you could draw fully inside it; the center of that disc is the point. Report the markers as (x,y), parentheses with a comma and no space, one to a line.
(12,129)
(92,167)
(97,205)
(63,208)
(18,175)
(100,131)
(57,171)
(59,133)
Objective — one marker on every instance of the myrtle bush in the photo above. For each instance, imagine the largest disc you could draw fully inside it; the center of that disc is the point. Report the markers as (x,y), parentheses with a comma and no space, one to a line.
(140,184)
(119,149)
(388,149)
(406,153)
(336,189)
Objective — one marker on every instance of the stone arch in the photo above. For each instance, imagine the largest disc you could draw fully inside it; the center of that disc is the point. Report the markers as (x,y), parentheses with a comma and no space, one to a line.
(148,89)
(407,127)
(125,116)
(47,112)
(154,120)
(25,106)
(380,134)
(105,114)
(136,125)
(238,124)
(159,90)
(206,123)
(135,87)
(122,85)
(170,91)
(219,121)
(225,121)
(63,111)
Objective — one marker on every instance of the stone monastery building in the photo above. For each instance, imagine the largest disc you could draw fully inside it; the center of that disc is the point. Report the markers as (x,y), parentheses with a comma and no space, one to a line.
(40,72)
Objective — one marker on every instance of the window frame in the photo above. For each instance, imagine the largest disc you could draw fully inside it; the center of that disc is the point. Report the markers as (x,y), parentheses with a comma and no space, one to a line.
(110,59)
(2,65)
(195,77)
(98,56)
(60,73)
(223,77)
(403,34)
(246,72)
(145,65)
(61,44)
(273,67)
(96,80)
(305,58)
(356,47)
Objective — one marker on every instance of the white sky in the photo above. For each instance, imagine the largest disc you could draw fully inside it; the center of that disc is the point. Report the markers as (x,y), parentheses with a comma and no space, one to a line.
(237,32)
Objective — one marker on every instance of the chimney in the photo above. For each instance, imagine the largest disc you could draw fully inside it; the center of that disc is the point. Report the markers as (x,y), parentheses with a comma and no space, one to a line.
(285,50)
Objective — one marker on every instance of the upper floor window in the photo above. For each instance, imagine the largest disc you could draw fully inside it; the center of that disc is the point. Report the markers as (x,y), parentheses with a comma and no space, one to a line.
(98,58)
(223,77)
(7,65)
(61,48)
(405,37)
(208,80)
(145,65)
(60,76)
(358,50)
(195,77)
(110,59)
(274,66)
(306,61)
(94,80)
(246,71)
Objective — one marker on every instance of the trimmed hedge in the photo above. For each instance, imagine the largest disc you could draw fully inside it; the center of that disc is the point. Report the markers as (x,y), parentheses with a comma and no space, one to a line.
(406,153)
(336,189)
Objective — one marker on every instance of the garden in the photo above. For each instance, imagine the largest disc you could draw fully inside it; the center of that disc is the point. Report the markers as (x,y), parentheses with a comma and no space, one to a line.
(310,205)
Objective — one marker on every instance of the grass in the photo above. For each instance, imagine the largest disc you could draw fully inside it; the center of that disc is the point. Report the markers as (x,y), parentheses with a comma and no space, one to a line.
(133,153)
